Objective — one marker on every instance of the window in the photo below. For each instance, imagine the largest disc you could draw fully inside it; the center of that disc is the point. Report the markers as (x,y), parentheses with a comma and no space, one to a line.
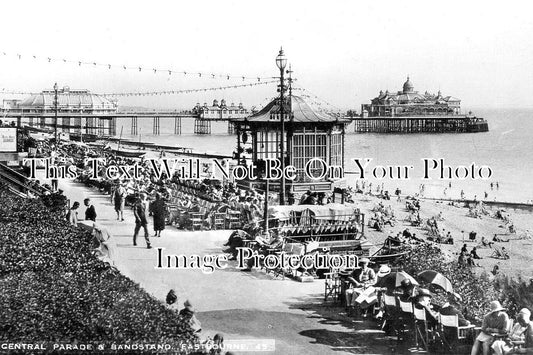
(306,146)
(268,144)
(336,149)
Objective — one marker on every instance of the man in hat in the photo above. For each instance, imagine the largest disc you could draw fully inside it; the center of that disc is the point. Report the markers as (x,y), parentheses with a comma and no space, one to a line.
(383,271)
(494,322)
(423,301)
(366,278)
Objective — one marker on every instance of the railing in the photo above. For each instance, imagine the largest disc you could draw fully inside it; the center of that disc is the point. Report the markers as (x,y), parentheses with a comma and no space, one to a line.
(18,182)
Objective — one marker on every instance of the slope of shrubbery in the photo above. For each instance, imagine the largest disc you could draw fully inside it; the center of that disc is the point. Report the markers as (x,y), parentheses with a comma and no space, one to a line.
(515,294)
(54,289)
(477,290)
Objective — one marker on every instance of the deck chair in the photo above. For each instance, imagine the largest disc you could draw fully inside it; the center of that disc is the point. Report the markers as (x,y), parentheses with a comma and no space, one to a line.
(234,219)
(219,220)
(173,213)
(421,329)
(288,249)
(332,286)
(390,313)
(498,253)
(197,219)
(452,334)
(405,319)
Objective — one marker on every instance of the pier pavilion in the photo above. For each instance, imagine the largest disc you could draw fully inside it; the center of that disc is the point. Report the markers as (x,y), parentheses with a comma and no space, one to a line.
(217,112)
(77,109)
(307,134)
(82,112)
(408,102)
(408,111)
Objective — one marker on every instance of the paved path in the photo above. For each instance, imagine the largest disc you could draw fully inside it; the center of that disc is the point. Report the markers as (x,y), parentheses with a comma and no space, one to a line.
(238,304)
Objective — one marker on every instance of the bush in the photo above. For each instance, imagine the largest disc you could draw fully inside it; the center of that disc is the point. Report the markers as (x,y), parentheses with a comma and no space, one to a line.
(54,289)
(476,290)
(515,294)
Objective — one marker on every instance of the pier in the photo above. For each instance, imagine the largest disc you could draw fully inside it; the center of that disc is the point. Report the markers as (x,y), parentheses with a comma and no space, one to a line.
(104,124)
(408,111)
(416,124)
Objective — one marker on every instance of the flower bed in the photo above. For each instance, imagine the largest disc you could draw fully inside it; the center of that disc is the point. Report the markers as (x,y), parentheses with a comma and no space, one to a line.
(54,289)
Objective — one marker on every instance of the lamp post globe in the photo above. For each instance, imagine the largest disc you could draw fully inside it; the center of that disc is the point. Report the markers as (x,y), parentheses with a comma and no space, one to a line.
(281,60)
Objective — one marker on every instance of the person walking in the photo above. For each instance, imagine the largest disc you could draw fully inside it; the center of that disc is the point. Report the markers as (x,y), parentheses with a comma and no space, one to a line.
(158,208)
(139,211)
(119,197)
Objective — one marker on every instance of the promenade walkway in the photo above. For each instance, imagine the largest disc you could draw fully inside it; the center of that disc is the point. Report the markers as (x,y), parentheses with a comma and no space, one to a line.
(238,304)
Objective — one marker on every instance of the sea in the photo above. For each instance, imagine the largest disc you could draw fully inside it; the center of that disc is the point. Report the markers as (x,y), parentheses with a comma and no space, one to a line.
(507,149)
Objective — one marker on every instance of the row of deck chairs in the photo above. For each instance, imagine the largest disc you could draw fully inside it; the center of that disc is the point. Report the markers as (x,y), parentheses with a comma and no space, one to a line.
(404,319)
(192,192)
(195,192)
(230,219)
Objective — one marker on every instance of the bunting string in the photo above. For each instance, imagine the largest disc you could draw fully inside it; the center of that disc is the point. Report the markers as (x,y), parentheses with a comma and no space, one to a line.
(318,101)
(139,68)
(185,91)
(154,93)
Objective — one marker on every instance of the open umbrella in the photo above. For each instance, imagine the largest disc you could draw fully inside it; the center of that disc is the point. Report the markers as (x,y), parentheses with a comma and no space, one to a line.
(437,279)
(394,280)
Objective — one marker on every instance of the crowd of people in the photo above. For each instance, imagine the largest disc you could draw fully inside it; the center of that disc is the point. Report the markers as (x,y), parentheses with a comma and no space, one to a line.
(365,291)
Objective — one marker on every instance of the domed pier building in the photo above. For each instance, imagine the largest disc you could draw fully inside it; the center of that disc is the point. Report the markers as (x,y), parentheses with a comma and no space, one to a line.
(77,111)
(409,111)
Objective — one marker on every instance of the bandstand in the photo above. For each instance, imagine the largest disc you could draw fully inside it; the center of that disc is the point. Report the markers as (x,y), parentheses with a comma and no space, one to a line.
(311,139)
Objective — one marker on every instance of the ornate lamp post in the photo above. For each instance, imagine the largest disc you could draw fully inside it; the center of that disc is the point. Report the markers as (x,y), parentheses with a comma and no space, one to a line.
(55,112)
(281,62)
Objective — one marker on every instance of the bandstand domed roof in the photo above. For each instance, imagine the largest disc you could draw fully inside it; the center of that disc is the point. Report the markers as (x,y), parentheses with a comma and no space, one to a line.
(68,99)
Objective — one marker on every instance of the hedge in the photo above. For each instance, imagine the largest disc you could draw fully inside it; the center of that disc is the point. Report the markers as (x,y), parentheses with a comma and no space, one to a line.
(54,289)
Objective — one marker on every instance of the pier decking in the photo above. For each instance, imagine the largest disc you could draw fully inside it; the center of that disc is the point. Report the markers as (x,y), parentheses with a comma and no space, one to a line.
(418,124)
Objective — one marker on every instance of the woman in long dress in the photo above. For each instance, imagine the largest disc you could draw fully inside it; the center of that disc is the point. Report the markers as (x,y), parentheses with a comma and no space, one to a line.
(72,216)
(158,209)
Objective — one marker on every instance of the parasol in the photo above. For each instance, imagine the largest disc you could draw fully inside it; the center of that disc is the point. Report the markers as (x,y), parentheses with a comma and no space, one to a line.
(394,280)
(437,279)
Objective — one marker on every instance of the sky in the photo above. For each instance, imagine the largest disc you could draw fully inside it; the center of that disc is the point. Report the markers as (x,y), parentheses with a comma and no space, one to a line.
(343,52)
